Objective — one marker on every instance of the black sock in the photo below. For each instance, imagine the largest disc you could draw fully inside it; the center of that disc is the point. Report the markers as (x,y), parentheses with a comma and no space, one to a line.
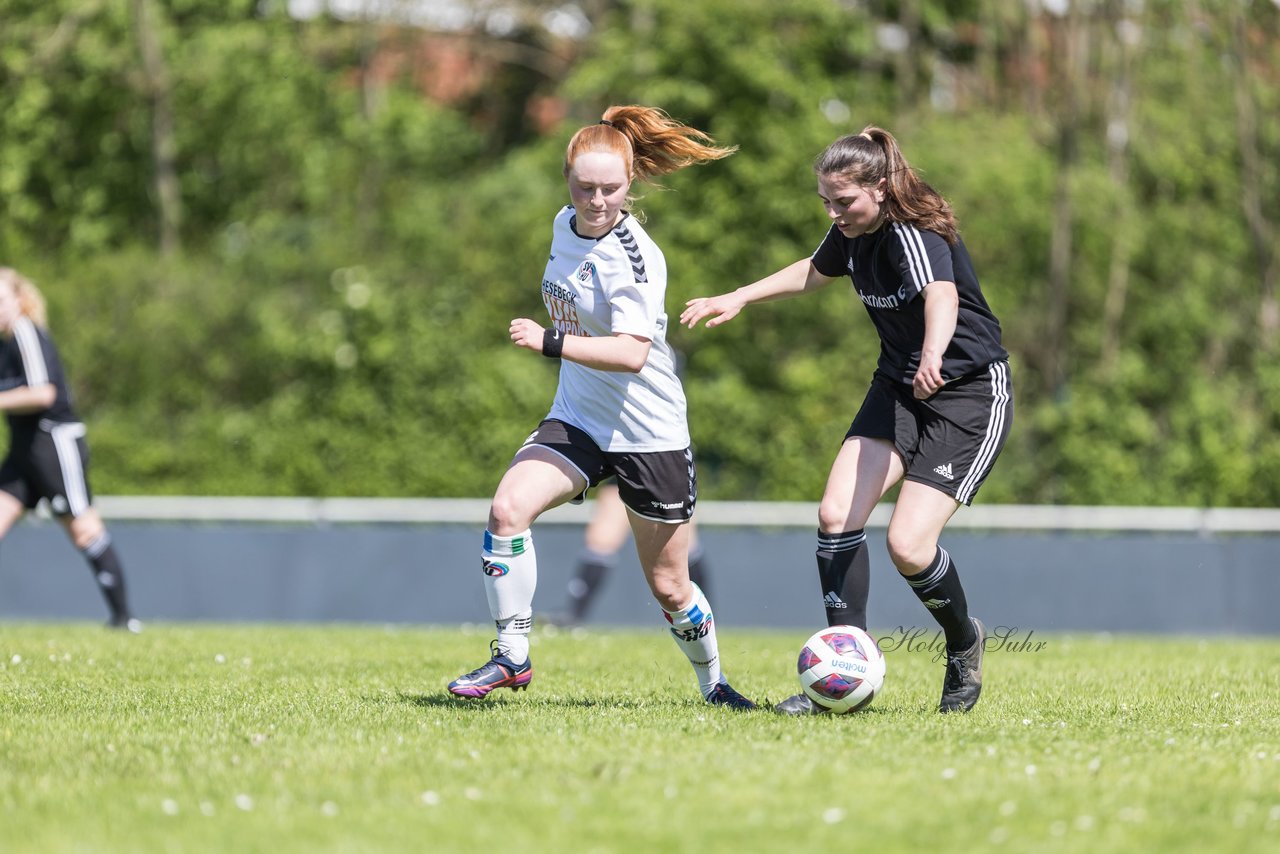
(939,588)
(698,569)
(844,568)
(102,557)
(592,568)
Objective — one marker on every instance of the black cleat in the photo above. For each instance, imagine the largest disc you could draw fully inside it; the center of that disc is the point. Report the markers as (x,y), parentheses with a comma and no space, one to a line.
(799,704)
(723,695)
(963,682)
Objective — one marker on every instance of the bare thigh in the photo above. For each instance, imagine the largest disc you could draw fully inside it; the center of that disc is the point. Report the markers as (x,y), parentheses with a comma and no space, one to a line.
(609,527)
(536,481)
(862,473)
(11,511)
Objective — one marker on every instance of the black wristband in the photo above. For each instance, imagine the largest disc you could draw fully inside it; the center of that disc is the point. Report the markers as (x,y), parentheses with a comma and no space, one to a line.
(552,343)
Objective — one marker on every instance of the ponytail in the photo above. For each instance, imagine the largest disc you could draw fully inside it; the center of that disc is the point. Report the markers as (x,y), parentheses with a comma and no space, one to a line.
(650,142)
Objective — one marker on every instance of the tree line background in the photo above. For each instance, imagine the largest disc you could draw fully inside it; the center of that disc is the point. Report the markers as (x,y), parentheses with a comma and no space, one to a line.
(281,241)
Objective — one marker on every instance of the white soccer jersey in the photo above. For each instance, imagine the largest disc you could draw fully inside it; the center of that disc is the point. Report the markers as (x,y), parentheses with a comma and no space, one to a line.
(615,284)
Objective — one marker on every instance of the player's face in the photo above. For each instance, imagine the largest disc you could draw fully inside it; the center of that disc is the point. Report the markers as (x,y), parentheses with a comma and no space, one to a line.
(10,308)
(598,185)
(854,208)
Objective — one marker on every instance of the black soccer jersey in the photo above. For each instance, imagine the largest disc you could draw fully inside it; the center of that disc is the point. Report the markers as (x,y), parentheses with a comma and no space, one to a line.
(889,269)
(28,357)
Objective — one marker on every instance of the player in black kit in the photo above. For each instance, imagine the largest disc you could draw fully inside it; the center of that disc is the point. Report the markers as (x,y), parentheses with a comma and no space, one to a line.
(47,455)
(940,404)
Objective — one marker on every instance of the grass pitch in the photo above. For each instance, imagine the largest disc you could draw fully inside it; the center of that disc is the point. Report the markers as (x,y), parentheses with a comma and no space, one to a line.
(318,738)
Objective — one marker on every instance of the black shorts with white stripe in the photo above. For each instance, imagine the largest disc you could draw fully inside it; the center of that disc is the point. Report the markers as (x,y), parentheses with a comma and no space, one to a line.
(949,441)
(51,463)
(661,486)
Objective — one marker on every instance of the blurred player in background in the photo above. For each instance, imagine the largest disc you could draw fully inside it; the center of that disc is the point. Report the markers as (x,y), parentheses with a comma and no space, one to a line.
(48,457)
(606,533)
(940,404)
(619,407)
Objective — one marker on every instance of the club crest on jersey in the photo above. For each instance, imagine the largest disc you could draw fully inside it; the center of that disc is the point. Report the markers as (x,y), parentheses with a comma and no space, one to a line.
(585,272)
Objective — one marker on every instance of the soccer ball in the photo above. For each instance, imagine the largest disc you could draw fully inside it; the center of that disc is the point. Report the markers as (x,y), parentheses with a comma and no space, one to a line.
(841,668)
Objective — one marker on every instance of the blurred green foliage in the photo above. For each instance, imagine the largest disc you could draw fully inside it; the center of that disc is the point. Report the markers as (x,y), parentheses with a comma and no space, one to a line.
(352,249)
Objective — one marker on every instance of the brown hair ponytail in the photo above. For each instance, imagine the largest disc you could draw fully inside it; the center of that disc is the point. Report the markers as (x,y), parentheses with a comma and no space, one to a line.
(873,155)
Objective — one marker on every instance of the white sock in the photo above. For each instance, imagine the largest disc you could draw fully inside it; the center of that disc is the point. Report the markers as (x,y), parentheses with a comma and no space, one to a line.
(510,567)
(695,631)
(513,637)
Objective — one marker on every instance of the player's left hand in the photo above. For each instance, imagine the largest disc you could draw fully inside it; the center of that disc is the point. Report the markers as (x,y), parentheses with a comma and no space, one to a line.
(928,378)
(527,333)
(721,309)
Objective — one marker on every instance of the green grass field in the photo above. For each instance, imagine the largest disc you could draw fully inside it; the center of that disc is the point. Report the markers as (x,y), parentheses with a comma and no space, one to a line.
(306,738)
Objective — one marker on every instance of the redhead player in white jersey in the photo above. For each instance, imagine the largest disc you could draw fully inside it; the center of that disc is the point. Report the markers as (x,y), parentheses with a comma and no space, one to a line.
(619,408)
(940,404)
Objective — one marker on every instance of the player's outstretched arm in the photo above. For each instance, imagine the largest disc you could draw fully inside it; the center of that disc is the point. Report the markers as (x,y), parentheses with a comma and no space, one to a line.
(793,280)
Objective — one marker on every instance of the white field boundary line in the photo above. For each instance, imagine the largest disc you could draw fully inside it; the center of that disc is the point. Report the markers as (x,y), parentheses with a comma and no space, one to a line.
(751,514)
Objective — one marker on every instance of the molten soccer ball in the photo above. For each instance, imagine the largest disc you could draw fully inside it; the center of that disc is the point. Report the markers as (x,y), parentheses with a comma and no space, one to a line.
(841,668)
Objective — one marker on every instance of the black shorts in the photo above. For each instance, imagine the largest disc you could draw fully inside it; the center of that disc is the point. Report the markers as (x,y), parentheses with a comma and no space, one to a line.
(52,464)
(661,486)
(949,441)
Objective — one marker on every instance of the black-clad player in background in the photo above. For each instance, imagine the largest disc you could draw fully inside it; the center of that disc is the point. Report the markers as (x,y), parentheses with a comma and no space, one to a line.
(940,404)
(47,455)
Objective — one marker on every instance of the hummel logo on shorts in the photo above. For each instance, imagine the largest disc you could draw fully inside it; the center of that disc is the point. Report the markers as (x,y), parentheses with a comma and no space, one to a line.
(831,600)
(945,471)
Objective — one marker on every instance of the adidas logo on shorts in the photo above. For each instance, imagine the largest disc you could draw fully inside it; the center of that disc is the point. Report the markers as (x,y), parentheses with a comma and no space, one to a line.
(945,471)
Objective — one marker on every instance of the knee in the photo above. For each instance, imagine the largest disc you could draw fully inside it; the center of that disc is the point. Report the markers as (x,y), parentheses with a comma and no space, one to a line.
(85,529)
(833,516)
(910,553)
(507,516)
(672,592)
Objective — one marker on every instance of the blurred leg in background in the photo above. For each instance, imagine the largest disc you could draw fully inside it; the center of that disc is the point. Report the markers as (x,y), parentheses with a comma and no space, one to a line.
(606,534)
